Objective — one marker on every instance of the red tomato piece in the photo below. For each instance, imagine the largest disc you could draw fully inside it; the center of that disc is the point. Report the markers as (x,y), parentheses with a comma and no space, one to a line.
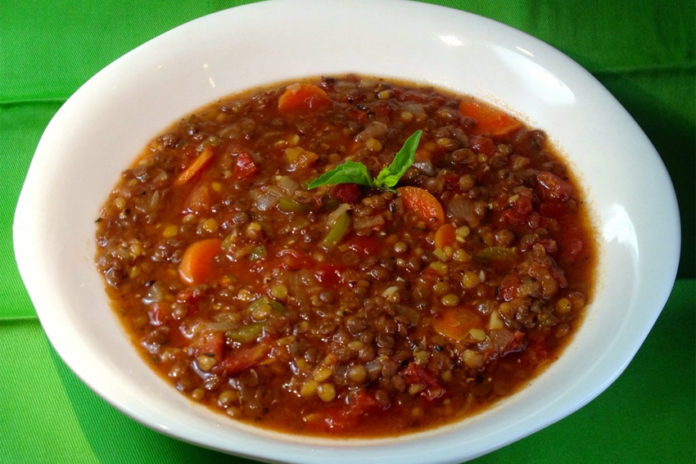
(348,416)
(210,344)
(553,187)
(303,97)
(294,260)
(244,358)
(482,145)
(364,245)
(245,167)
(329,275)
(199,200)
(159,313)
(415,374)
(347,193)
(509,287)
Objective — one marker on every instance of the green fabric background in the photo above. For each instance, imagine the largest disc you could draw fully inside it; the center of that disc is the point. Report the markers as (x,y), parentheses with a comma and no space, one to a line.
(642,51)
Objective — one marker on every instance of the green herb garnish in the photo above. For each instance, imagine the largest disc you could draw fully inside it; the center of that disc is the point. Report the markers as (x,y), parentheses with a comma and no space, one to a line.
(351,172)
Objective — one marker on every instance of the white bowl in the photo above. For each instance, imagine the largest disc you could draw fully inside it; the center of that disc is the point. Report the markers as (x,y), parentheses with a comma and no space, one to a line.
(105,124)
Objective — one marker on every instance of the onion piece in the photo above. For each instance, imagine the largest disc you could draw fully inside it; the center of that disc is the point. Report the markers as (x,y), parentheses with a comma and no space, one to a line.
(461,208)
(366,222)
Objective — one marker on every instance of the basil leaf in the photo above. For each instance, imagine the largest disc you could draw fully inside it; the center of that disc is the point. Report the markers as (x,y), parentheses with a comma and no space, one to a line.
(389,176)
(349,172)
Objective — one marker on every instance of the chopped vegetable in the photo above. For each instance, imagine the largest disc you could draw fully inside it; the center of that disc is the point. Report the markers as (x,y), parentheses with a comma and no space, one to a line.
(197,166)
(424,204)
(496,253)
(445,236)
(246,333)
(455,323)
(292,206)
(244,167)
(338,230)
(244,358)
(489,120)
(303,97)
(258,252)
(196,265)
(273,306)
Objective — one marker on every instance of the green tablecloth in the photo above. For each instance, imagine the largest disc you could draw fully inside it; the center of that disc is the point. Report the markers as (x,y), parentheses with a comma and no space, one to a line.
(642,51)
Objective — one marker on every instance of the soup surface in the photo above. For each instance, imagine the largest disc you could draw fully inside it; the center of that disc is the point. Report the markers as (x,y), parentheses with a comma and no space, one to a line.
(347,256)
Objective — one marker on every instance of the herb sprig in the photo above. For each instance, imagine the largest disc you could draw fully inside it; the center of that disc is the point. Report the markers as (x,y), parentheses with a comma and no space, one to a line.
(351,172)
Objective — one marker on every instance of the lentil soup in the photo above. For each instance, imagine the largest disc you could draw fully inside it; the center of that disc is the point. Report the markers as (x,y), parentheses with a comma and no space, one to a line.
(348,256)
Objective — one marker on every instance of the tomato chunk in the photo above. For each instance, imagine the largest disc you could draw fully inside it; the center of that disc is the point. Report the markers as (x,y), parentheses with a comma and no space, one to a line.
(347,193)
(244,358)
(303,97)
(245,167)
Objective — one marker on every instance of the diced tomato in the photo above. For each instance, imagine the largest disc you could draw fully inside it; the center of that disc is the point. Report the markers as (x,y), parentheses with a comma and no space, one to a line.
(303,97)
(210,344)
(347,193)
(199,200)
(329,275)
(294,260)
(482,145)
(345,417)
(509,287)
(244,358)
(367,245)
(415,374)
(244,167)
(515,345)
(159,313)
(518,213)
(424,204)
(553,187)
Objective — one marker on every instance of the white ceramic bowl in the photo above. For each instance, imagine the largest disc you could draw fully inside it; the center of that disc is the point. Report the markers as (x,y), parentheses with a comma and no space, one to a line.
(105,124)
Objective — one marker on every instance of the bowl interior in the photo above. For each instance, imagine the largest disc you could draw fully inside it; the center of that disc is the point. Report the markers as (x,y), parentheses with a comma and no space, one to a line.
(101,129)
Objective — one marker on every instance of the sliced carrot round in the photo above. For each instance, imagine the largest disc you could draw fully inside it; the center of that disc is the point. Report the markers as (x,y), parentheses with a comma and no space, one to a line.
(424,204)
(196,265)
(489,120)
(455,323)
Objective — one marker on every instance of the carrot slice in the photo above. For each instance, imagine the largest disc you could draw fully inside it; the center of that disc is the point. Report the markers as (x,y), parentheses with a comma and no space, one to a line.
(489,120)
(303,97)
(455,323)
(196,265)
(424,204)
(197,166)
(445,236)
